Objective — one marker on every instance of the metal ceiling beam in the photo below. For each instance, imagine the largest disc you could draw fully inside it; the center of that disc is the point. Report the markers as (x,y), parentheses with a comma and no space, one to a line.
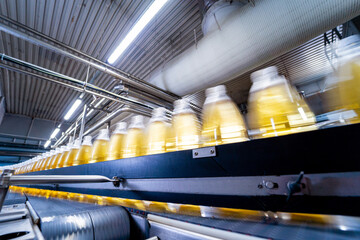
(93,62)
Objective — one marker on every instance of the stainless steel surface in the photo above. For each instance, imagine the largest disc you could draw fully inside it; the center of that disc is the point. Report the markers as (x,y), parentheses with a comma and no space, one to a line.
(342,184)
(204,152)
(197,230)
(34,216)
(52,179)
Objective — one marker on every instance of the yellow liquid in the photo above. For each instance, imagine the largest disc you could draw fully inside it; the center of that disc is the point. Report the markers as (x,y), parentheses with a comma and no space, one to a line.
(186,132)
(349,88)
(116,149)
(222,123)
(42,165)
(84,155)
(49,161)
(156,138)
(62,159)
(275,111)
(134,143)
(71,157)
(55,161)
(100,151)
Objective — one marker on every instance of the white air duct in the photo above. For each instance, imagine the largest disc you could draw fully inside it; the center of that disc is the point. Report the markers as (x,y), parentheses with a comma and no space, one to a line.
(248,37)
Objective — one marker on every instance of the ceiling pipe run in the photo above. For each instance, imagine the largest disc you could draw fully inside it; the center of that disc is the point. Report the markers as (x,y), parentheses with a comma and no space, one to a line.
(240,38)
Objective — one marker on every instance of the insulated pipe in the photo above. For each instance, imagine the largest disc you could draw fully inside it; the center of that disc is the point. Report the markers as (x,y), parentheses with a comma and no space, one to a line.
(249,37)
(93,62)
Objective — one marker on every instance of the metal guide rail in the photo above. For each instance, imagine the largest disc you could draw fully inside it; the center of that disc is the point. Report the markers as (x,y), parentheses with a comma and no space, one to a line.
(314,172)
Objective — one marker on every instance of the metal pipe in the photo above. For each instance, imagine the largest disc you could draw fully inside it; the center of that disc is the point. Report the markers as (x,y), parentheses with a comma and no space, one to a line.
(70,79)
(106,68)
(82,126)
(33,213)
(55,179)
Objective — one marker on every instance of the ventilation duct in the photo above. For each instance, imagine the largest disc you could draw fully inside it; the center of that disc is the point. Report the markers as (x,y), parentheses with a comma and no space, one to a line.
(239,38)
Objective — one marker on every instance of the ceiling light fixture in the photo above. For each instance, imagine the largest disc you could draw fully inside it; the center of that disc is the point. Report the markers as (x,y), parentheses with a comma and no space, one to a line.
(72,109)
(136,29)
(54,133)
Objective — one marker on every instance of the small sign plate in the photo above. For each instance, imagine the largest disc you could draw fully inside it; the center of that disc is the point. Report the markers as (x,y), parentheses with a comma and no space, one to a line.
(204,152)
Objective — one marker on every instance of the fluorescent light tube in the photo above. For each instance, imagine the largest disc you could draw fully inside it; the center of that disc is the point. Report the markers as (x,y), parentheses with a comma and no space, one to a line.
(54,133)
(72,109)
(136,29)
(47,143)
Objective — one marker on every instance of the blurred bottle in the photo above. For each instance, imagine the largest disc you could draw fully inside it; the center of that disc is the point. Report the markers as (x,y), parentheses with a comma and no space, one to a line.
(275,108)
(157,132)
(48,161)
(101,147)
(185,127)
(134,143)
(43,161)
(117,141)
(54,158)
(346,96)
(84,154)
(64,155)
(56,162)
(222,121)
(69,161)
(36,160)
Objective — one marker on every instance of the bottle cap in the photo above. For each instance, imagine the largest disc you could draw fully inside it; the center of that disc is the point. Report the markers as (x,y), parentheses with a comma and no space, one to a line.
(120,128)
(63,149)
(182,106)
(137,122)
(215,94)
(87,141)
(265,78)
(158,115)
(76,144)
(103,135)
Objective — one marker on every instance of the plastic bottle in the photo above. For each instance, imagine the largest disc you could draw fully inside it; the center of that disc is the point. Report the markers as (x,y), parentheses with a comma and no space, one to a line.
(64,155)
(117,141)
(84,154)
(54,158)
(185,126)
(72,154)
(134,143)
(56,162)
(157,132)
(43,160)
(48,161)
(101,147)
(346,96)
(275,108)
(222,121)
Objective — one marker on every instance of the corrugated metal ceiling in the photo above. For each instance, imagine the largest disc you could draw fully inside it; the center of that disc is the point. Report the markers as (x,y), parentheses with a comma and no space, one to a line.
(94,27)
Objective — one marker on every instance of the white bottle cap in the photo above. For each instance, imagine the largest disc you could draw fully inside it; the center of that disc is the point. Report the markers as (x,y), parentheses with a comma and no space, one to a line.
(76,144)
(215,94)
(182,106)
(63,149)
(265,78)
(158,115)
(120,128)
(103,135)
(263,74)
(137,122)
(87,141)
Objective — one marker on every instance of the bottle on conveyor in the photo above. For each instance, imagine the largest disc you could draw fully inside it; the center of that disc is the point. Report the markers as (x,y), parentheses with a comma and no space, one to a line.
(101,147)
(84,154)
(117,141)
(69,161)
(157,132)
(134,143)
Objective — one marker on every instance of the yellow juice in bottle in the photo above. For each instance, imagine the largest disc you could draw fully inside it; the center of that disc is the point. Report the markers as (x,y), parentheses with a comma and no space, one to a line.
(71,157)
(101,147)
(117,142)
(64,156)
(275,108)
(222,121)
(56,161)
(53,159)
(185,126)
(84,154)
(134,142)
(346,98)
(40,162)
(157,132)
(48,161)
